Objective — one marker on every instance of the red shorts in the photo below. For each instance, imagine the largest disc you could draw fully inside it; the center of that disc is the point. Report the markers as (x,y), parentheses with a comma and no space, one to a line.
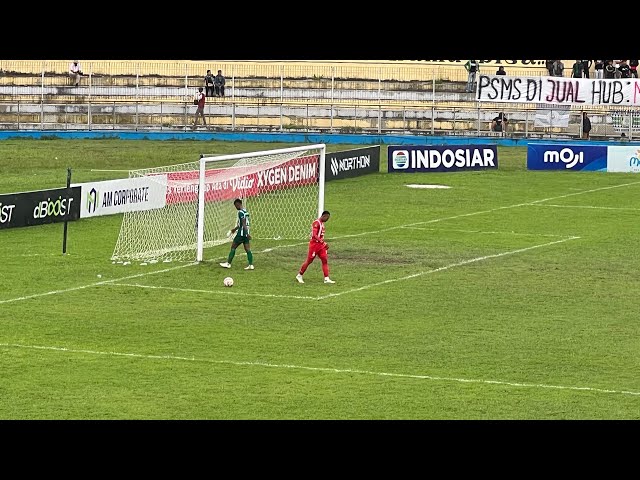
(317,249)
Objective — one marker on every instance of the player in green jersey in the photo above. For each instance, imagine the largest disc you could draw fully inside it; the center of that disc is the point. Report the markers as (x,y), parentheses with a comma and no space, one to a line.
(242,236)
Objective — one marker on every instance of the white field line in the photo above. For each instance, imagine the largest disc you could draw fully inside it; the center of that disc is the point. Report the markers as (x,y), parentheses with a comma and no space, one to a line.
(482,232)
(104,282)
(583,192)
(81,287)
(490,210)
(53,292)
(364,287)
(325,369)
(227,292)
(446,267)
(587,206)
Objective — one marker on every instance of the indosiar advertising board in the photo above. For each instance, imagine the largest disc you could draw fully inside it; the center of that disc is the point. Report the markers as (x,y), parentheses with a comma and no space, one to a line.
(441,158)
(352,163)
(37,208)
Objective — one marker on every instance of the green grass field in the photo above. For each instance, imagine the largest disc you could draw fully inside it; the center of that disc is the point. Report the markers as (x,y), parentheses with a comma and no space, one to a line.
(510,295)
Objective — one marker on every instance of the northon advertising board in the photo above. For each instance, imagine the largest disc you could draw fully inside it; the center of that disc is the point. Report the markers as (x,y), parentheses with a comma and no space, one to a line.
(352,163)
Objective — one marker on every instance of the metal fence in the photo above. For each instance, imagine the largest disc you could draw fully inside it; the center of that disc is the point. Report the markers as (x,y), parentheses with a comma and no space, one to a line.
(310,117)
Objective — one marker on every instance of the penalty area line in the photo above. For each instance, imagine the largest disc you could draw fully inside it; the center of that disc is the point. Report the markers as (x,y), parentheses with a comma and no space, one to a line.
(446,267)
(482,232)
(194,290)
(106,282)
(586,206)
(347,371)
(95,284)
(534,202)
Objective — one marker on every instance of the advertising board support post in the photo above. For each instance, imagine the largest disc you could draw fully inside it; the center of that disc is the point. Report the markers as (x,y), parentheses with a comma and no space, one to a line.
(64,234)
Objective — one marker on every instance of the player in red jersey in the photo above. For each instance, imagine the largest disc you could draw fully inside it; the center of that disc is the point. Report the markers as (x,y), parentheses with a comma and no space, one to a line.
(317,247)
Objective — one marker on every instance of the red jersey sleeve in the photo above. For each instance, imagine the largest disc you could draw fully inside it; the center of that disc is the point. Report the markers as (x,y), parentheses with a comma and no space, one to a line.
(316,232)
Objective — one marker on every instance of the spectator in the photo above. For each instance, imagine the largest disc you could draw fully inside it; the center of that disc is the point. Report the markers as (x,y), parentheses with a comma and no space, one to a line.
(623,137)
(623,68)
(75,72)
(586,65)
(199,100)
(549,66)
(472,67)
(219,84)
(499,123)
(599,68)
(609,69)
(208,84)
(616,66)
(576,69)
(558,69)
(633,68)
(586,126)
(501,71)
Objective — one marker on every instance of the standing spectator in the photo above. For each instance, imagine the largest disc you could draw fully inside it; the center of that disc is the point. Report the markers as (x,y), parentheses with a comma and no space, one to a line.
(609,69)
(586,65)
(499,123)
(623,137)
(586,126)
(472,67)
(558,69)
(599,68)
(616,66)
(576,69)
(208,84)
(501,71)
(623,68)
(633,68)
(219,84)
(549,66)
(199,100)
(75,72)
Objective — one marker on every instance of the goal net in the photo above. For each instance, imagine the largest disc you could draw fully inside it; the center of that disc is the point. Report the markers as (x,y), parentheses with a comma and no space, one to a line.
(282,189)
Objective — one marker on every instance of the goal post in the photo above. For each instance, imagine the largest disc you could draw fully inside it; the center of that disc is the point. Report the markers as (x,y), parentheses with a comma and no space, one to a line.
(283,190)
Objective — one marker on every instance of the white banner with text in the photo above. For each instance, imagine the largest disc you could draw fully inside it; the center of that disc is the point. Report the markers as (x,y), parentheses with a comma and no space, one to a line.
(558,90)
(123,195)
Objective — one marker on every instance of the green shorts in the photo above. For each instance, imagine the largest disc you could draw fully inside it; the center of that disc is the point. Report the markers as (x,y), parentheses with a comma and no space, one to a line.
(238,239)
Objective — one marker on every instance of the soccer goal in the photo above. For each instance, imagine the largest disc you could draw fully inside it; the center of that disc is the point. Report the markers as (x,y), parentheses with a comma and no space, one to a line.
(283,190)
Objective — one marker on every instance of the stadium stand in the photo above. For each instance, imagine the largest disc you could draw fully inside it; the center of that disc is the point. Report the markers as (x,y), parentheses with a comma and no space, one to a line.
(352,97)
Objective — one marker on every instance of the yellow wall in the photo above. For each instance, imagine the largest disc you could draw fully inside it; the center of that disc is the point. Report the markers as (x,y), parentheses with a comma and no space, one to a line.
(401,70)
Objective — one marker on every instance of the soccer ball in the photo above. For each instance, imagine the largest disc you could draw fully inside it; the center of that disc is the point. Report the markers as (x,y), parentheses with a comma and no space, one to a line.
(228,282)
